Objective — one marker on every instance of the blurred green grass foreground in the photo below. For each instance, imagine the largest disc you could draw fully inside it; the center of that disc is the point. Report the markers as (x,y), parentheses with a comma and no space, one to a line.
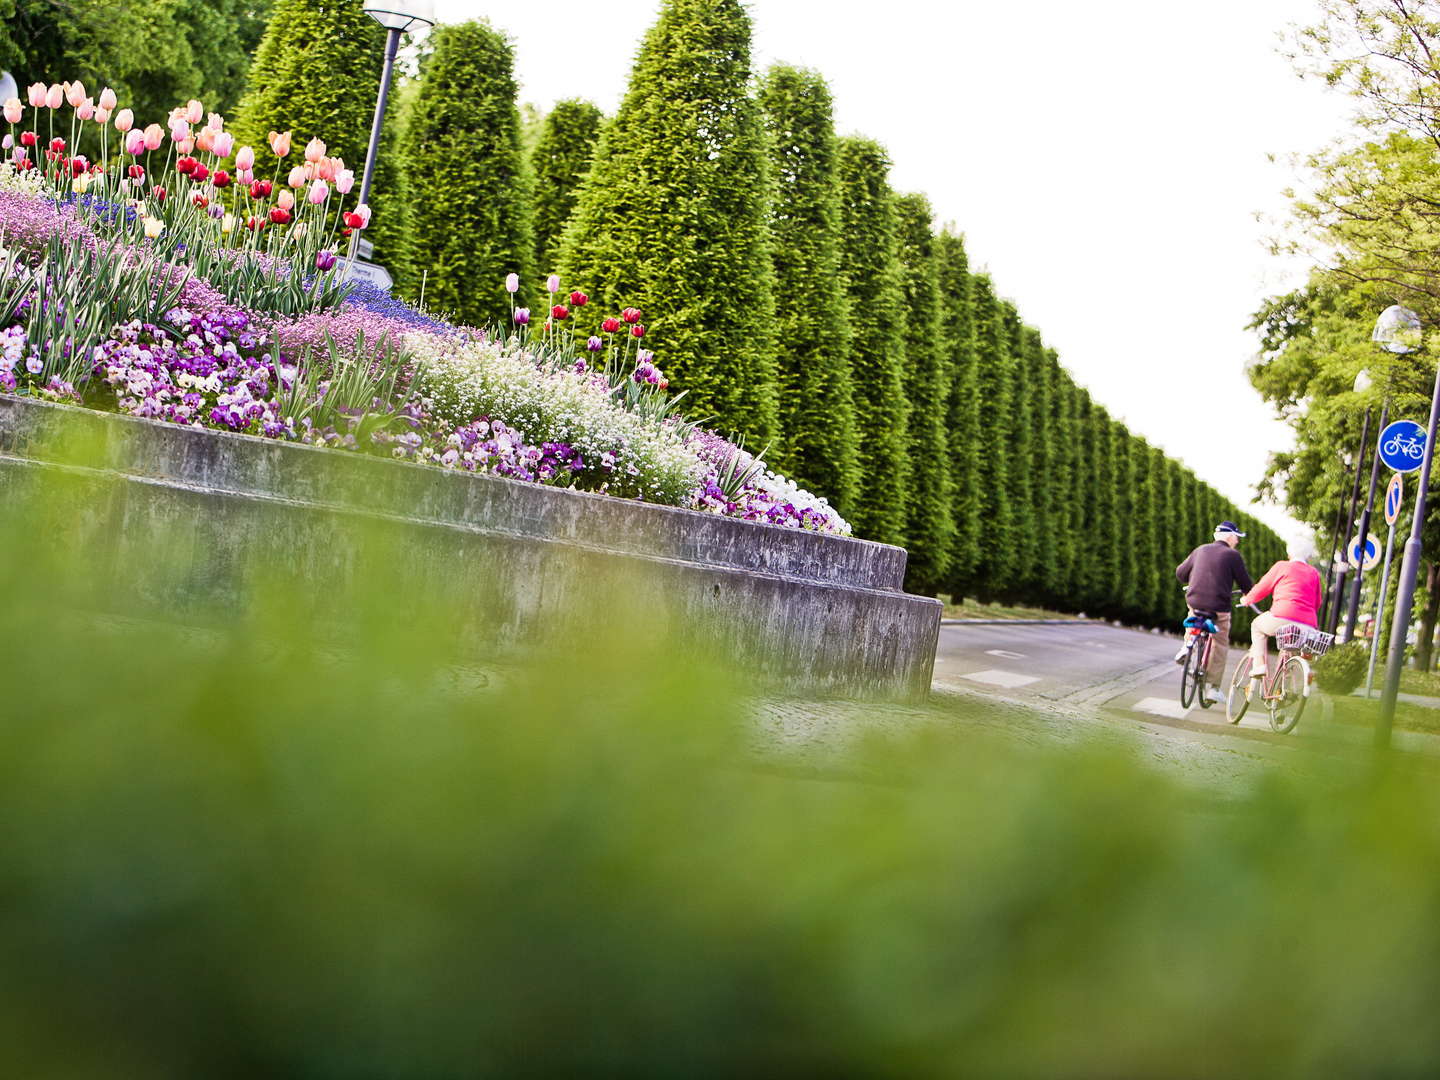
(313,835)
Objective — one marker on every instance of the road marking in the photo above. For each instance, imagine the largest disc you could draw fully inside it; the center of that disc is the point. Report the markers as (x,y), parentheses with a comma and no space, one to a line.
(1006,653)
(1007,679)
(1161,707)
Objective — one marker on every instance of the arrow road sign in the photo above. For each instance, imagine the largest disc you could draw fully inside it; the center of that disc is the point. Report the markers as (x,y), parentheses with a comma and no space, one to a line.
(1402,445)
(1394,496)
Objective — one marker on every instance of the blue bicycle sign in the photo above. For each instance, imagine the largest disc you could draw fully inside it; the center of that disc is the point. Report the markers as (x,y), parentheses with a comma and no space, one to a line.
(1394,496)
(1402,445)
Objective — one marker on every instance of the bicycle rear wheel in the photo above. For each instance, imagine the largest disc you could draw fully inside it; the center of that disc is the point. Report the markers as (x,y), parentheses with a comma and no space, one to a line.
(1289,700)
(1202,696)
(1192,675)
(1238,699)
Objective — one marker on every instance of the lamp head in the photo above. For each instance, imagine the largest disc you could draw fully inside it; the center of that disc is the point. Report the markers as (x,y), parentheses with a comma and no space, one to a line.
(1363,381)
(1397,330)
(402,15)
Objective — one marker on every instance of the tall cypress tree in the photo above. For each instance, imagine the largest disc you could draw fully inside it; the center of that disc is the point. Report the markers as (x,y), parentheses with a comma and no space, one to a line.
(1088,570)
(957,335)
(1020,445)
(929,527)
(671,217)
(316,73)
(1102,536)
(559,162)
(1062,483)
(870,270)
(995,576)
(1036,387)
(1127,590)
(473,226)
(817,416)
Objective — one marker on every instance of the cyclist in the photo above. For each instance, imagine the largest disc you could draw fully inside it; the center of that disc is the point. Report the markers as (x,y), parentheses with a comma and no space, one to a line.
(1210,574)
(1295,587)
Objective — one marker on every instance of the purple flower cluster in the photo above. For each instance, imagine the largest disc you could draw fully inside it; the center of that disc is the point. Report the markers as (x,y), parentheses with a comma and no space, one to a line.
(28,223)
(646,371)
(760,495)
(367,297)
(346,328)
(490,446)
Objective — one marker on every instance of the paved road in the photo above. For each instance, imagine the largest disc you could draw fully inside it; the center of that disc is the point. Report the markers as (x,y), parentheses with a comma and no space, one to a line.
(1095,664)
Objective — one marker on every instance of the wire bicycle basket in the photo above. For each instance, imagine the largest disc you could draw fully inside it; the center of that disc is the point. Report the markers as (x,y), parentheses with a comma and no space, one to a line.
(1304,639)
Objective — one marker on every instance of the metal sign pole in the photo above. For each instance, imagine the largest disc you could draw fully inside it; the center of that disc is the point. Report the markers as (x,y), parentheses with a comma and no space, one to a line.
(1379,611)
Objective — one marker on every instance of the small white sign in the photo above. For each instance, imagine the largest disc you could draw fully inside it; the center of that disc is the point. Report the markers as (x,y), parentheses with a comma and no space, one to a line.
(373,273)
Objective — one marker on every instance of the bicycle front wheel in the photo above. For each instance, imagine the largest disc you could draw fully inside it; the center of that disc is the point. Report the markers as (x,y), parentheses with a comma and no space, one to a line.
(1238,699)
(1289,700)
(1192,675)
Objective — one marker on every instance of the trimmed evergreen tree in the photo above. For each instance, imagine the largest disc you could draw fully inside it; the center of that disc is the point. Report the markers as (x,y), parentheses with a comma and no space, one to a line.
(819,447)
(671,217)
(1061,469)
(1127,571)
(558,164)
(1102,535)
(995,576)
(929,527)
(316,73)
(473,226)
(1088,570)
(957,335)
(1020,446)
(870,270)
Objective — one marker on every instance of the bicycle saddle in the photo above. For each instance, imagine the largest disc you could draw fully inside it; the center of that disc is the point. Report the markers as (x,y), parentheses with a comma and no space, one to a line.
(1199,619)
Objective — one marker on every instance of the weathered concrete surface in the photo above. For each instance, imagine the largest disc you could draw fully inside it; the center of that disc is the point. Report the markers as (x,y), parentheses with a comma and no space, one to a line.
(822,614)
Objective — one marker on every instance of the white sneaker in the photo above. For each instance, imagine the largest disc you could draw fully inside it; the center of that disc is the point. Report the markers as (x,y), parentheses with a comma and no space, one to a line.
(1214,696)
(1180,656)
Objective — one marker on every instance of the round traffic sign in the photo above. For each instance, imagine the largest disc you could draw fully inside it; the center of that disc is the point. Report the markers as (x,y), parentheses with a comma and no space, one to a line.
(1372,552)
(1394,496)
(1402,445)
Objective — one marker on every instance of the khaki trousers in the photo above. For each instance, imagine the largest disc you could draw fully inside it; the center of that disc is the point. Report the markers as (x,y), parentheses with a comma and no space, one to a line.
(1219,651)
(1262,629)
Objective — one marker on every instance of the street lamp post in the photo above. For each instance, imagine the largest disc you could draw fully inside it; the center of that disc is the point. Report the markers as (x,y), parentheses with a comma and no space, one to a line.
(1349,521)
(1401,334)
(397,17)
(1353,616)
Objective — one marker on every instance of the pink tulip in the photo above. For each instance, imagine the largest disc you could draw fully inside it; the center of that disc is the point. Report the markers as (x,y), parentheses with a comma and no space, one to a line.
(124,120)
(86,109)
(325,169)
(102,116)
(135,142)
(154,137)
(194,111)
(552,283)
(36,92)
(314,150)
(179,129)
(512,283)
(297,177)
(215,122)
(224,142)
(286,199)
(13,110)
(244,175)
(76,95)
(363,213)
(280,143)
(55,96)
(205,140)
(245,158)
(185,146)
(107,99)
(319,192)
(344,181)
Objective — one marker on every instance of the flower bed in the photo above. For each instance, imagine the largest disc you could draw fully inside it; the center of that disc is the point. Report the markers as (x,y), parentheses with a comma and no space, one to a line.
(152,272)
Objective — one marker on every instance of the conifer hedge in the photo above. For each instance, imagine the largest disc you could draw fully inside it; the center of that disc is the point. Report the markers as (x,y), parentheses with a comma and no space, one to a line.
(558,164)
(671,218)
(812,316)
(473,226)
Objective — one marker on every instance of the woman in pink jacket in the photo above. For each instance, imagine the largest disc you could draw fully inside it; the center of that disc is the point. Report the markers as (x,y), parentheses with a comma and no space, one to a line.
(1295,586)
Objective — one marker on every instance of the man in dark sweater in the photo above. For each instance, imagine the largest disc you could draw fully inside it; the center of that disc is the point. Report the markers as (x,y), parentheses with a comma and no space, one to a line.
(1210,573)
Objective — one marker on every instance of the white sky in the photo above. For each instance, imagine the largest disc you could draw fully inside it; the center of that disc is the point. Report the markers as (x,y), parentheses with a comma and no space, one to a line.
(1106,161)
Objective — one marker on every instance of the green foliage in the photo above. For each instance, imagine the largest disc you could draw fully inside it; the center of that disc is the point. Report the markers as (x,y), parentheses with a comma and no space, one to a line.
(817,412)
(929,526)
(564,147)
(994,387)
(472,228)
(672,216)
(870,269)
(1342,669)
(155,55)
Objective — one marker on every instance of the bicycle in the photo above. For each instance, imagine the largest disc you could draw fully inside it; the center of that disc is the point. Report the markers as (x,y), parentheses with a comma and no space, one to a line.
(1286,689)
(1200,631)
(1411,448)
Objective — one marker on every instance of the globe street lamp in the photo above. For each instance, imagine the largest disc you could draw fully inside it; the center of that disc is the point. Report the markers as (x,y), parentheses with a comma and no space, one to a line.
(1398,331)
(397,17)
(1343,534)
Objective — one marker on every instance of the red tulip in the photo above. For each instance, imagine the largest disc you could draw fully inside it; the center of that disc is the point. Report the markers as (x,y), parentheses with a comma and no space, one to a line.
(610,325)
(200,173)
(638,330)
(200,200)
(185,165)
(136,172)
(560,311)
(280,216)
(631,315)
(578,299)
(260,189)
(78,165)
(27,138)
(254,224)
(56,145)
(221,178)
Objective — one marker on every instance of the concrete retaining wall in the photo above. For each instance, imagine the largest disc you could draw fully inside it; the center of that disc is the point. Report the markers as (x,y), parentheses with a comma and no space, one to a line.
(818,614)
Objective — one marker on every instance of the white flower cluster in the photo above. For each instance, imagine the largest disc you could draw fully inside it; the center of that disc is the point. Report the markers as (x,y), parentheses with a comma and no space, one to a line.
(464,379)
(30,182)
